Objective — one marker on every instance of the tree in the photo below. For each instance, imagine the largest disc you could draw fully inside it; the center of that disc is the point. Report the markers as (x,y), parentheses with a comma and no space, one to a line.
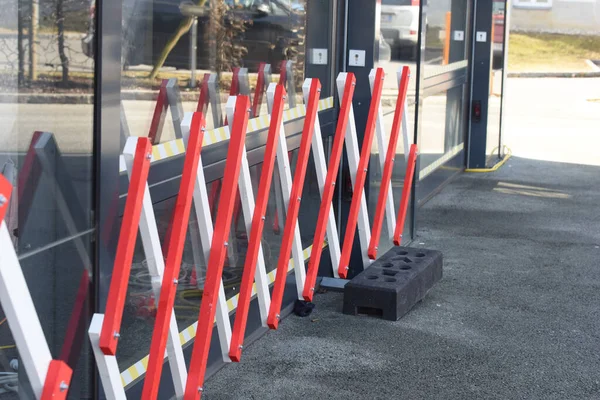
(60,26)
(224,26)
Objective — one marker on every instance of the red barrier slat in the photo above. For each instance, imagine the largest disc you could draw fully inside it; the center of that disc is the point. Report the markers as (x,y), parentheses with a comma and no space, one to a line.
(168,289)
(258,221)
(283,73)
(204,96)
(332,172)
(5,191)
(77,322)
(259,90)
(57,382)
(125,248)
(408,179)
(294,205)
(218,251)
(388,168)
(160,112)
(361,174)
(234,89)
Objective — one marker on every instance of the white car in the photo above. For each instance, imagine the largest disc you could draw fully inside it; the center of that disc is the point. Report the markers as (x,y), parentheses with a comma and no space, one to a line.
(400,24)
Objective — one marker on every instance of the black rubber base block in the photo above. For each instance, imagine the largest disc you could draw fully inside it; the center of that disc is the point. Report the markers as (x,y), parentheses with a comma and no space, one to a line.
(394,283)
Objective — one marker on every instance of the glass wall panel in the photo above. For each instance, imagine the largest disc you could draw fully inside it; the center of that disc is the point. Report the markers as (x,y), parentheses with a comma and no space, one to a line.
(46,81)
(46,143)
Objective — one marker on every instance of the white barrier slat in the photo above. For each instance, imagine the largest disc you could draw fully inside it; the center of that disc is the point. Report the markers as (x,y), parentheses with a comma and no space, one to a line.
(21,315)
(108,369)
(382,144)
(333,241)
(353,152)
(285,177)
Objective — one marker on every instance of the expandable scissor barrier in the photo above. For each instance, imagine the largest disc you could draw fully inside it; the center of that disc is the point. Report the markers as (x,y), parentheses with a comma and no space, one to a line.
(215,221)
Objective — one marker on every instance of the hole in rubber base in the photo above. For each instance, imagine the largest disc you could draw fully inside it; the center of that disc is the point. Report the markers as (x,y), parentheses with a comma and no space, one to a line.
(390,273)
(371,277)
(405,267)
(390,280)
(370,311)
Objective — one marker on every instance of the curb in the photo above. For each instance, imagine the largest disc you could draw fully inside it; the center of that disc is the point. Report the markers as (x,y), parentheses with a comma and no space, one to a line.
(88,98)
(84,98)
(593,74)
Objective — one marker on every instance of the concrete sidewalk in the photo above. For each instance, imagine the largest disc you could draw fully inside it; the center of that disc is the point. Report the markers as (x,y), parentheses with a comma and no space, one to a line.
(516,316)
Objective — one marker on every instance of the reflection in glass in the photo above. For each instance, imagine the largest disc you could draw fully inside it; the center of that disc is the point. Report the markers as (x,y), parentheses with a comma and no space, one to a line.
(445,36)
(42,62)
(60,287)
(442,127)
(493,140)
(227,34)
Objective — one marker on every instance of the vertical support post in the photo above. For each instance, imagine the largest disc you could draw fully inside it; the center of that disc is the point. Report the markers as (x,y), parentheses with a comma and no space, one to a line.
(408,180)
(255,234)
(125,248)
(218,251)
(259,90)
(215,100)
(174,100)
(292,213)
(325,208)
(193,51)
(385,191)
(160,112)
(174,254)
(205,228)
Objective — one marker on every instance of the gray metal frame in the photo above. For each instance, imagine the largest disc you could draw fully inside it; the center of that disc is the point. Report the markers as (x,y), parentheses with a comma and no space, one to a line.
(480,78)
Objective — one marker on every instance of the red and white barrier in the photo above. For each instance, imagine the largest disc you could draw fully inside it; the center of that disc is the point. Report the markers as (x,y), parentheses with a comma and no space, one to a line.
(51,378)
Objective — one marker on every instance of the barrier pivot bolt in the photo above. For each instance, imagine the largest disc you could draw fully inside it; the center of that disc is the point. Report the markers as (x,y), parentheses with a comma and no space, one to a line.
(226,244)
(200,389)
(63,386)
(116,335)
(278,317)
(263,218)
(148,156)
(241,347)
(2,200)
(175,281)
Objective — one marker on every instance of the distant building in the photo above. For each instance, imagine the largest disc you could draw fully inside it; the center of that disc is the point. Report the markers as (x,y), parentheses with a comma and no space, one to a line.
(556,16)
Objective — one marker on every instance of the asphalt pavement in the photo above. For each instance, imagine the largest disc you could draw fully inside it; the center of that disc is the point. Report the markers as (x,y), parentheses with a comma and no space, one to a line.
(515,316)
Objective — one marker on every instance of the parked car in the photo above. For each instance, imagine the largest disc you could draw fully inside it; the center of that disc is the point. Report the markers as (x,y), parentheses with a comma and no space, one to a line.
(274,31)
(400,24)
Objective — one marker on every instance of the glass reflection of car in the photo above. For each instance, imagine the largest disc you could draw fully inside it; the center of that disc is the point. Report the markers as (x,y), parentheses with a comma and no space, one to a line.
(274,32)
(400,24)
(498,32)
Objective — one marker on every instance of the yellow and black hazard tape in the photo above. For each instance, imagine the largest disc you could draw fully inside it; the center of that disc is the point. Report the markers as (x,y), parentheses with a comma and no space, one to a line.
(137,370)
(175,147)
